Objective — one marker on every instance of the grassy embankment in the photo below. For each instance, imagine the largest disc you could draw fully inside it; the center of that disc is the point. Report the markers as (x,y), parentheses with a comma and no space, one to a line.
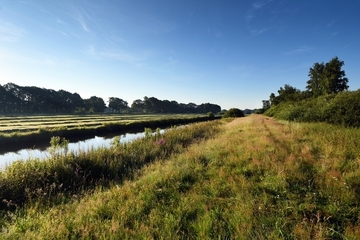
(18,132)
(257,179)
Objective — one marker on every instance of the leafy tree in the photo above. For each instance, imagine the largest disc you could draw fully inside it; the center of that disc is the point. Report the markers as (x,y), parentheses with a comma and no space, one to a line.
(233,112)
(334,79)
(117,104)
(273,99)
(138,105)
(327,78)
(208,107)
(286,94)
(9,103)
(315,83)
(94,104)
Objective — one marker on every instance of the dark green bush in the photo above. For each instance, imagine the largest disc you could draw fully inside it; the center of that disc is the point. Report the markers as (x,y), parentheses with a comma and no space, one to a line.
(233,112)
(211,115)
(342,108)
(345,109)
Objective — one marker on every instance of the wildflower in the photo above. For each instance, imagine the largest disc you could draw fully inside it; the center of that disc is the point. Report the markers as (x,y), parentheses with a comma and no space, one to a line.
(160,142)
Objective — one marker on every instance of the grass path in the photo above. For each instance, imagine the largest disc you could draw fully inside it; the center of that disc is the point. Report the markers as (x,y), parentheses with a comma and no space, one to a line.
(257,179)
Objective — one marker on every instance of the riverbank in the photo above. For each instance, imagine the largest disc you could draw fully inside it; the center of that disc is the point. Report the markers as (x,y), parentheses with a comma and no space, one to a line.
(72,130)
(250,178)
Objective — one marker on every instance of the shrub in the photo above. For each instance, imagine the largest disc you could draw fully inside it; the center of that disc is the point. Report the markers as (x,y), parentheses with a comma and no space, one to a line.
(345,109)
(342,109)
(233,112)
(211,115)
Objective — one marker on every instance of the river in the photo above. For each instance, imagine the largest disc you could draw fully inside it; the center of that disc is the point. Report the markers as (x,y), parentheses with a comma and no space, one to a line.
(85,145)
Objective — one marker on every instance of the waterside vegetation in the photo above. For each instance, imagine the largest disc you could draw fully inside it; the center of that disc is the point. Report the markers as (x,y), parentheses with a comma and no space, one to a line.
(243,178)
(17,132)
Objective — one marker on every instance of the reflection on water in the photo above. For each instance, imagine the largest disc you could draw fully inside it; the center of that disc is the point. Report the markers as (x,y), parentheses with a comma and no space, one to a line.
(86,145)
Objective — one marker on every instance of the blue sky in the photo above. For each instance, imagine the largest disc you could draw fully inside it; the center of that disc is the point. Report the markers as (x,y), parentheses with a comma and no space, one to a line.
(231,53)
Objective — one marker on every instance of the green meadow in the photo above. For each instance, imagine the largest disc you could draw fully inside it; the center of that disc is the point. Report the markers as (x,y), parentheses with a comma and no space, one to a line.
(239,178)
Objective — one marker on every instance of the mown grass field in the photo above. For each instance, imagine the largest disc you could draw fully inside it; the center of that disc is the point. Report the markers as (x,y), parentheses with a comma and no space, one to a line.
(249,178)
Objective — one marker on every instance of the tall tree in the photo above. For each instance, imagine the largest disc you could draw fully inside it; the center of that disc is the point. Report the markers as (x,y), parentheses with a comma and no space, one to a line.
(327,78)
(94,104)
(117,104)
(138,105)
(315,83)
(334,79)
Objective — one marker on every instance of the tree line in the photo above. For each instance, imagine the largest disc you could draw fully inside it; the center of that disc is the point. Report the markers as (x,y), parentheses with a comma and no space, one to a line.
(16,99)
(324,79)
(326,98)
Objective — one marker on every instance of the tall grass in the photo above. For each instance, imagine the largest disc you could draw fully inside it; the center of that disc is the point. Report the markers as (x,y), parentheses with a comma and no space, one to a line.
(68,174)
(257,179)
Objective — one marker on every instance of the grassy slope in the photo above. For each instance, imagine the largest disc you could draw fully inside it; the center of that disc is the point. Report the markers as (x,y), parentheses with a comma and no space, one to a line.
(257,179)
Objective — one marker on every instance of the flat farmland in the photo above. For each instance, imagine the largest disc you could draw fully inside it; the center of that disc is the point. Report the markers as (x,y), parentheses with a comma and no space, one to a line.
(33,123)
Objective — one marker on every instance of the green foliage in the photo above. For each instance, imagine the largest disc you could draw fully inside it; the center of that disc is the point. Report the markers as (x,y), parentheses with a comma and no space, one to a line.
(118,104)
(286,94)
(58,146)
(94,104)
(324,79)
(148,132)
(260,111)
(326,98)
(314,84)
(16,99)
(154,105)
(232,113)
(342,109)
(211,115)
(327,78)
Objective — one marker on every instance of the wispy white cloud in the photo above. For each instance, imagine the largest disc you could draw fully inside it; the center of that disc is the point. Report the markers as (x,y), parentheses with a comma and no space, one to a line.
(254,7)
(81,17)
(260,4)
(82,22)
(250,14)
(136,59)
(256,32)
(299,50)
(10,33)
(115,40)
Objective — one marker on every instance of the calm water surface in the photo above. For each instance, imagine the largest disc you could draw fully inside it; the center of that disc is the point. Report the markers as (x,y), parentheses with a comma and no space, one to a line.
(86,145)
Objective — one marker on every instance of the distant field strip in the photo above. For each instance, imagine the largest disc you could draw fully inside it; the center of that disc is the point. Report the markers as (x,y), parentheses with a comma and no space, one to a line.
(33,123)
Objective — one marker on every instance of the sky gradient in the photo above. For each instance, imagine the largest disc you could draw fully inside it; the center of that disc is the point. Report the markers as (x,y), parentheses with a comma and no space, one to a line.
(230,53)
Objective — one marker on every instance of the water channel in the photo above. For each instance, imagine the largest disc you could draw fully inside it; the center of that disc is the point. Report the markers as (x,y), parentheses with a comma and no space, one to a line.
(83,146)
